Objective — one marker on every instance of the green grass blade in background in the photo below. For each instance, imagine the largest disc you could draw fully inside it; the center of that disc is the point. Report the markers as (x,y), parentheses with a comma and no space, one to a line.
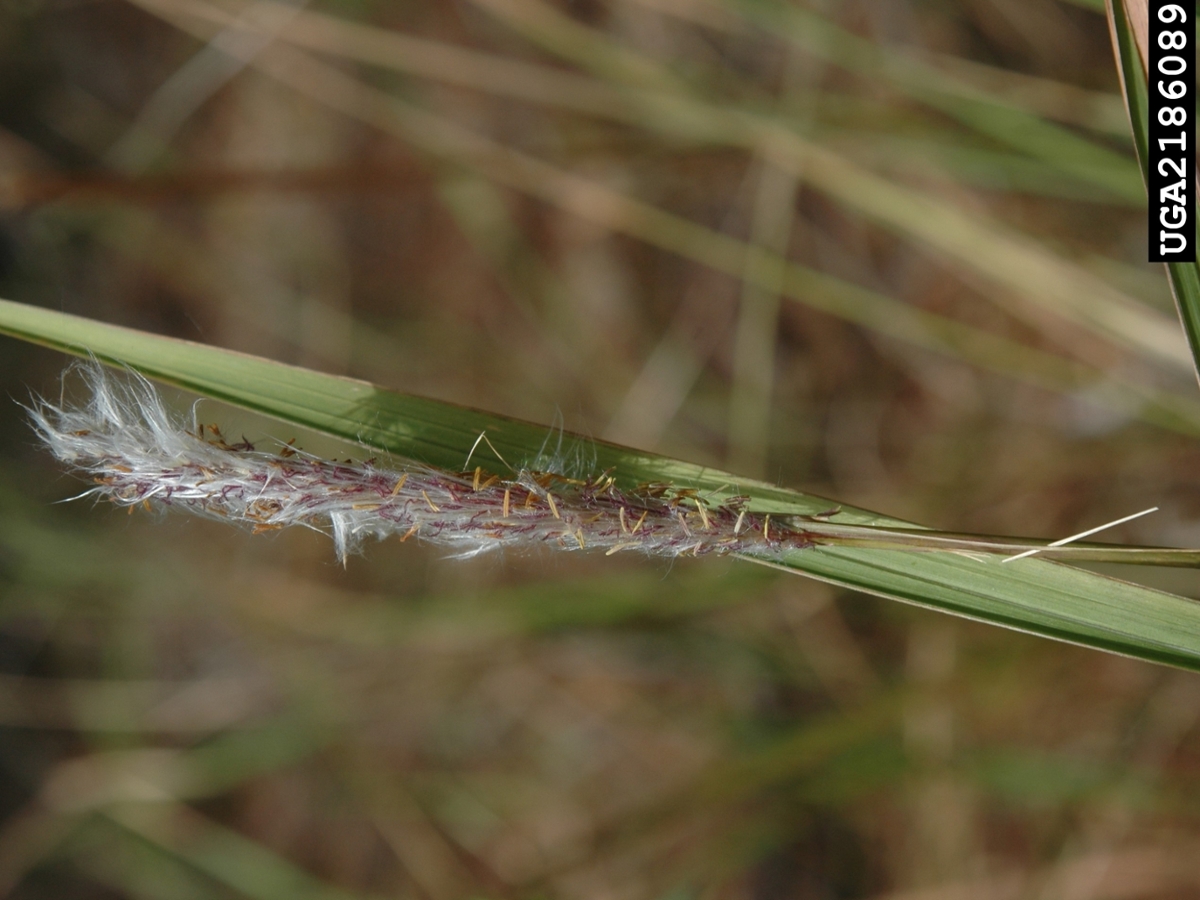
(1031,595)
(1184,277)
(1004,122)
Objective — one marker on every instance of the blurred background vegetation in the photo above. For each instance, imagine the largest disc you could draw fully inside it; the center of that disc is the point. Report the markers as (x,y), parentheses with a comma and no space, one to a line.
(541,209)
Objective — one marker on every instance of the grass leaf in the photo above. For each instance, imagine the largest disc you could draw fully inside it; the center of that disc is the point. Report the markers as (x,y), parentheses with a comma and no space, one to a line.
(1031,595)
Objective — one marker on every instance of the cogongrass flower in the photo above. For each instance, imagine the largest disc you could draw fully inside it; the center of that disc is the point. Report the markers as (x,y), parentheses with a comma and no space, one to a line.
(138,454)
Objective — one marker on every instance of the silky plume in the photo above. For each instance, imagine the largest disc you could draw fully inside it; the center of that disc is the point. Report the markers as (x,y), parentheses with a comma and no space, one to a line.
(136,453)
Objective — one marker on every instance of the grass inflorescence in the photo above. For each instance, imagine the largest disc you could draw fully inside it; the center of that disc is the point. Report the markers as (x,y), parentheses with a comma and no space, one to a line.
(137,453)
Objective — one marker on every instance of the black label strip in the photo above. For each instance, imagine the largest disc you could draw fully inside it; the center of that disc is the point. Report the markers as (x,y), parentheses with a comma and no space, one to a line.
(1172,145)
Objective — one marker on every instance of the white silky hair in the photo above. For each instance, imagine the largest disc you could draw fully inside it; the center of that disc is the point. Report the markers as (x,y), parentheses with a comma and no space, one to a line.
(138,453)
(124,437)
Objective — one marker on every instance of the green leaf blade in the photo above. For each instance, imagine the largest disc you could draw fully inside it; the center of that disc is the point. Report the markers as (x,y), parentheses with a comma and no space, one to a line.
(1031,595)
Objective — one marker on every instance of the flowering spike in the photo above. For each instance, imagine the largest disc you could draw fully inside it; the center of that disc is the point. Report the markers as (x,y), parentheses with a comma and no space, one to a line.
(134,452)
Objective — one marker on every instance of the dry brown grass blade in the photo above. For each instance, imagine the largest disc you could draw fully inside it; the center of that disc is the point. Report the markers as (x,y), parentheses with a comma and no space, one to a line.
(419,56)
(1138,14)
